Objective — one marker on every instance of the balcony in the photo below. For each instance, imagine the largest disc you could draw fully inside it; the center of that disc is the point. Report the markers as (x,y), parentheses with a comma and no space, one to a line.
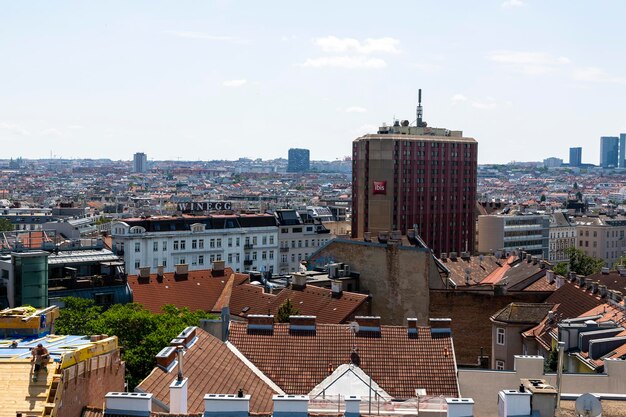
(284,249)
(247,262)
(248,246)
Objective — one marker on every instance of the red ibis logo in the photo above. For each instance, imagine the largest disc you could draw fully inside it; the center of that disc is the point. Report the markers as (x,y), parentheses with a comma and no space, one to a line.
(380,187)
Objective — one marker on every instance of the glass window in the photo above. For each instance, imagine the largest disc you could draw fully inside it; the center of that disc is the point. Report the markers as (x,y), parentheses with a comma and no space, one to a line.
(218,242)
(194,244)
(155,246)
(182,244)
(500,336)
(176,245)
(500,365)
(137,246)
(201,243)
(164,245)
(201,259)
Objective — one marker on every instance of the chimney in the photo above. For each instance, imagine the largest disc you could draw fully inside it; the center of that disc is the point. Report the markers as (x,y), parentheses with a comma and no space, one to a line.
(260,322)
(551,316)
(302,323)
(605,270)
(542,264)
(218,268)
(298,281)
(618,296)
(559,282)
(594,286)
(160,269)
(602,290)
(182,269)
(353,404)
(227,405)
(128,403)
(367,236)
(368,324)
(165,358)
(440,326)
(185,337)
(460,407)
(550,276)
(144,272)
(572,276)
(411,327)
(529,258)
(178,388)
(336,288)
(514,403)
(291,405)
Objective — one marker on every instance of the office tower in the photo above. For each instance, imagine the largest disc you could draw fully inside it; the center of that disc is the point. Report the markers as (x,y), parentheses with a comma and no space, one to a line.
(298,160)
(405,176)
(575,156)
(621,162)
(609,146)
(140,162)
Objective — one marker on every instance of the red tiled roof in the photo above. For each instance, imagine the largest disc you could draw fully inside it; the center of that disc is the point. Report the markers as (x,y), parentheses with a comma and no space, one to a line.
(397,362)
(310,301)
(212,368)
(198,290)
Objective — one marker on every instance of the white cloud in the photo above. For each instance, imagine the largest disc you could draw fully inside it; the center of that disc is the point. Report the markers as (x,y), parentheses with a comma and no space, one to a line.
(13,128)
(334,44)
(513,3)
(596,75)
(346,62)
(458,98)
(356,109)
(530,63)
(51,131)
(234,83)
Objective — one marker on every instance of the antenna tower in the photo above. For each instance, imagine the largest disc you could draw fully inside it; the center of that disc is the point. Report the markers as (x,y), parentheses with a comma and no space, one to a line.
(418,122)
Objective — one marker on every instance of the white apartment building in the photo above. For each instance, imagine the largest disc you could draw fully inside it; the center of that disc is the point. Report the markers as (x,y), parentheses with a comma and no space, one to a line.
(508,232)
(299,236)
(562,237)
(244,242)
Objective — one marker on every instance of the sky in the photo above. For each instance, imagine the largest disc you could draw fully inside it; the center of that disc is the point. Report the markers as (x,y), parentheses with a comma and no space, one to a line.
(206,80)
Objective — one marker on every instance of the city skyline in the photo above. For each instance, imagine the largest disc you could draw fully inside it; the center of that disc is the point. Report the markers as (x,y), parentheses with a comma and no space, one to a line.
(224,80)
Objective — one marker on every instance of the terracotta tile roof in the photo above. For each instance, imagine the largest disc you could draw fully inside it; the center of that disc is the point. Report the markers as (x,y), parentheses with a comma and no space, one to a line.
(569,301)
(479,270)
(397,362)
(613,280)
(198,290)
(212,368)
(98,412)
(310,301)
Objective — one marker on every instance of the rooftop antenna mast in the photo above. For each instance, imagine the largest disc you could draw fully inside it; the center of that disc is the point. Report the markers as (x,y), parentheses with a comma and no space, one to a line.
(418,122)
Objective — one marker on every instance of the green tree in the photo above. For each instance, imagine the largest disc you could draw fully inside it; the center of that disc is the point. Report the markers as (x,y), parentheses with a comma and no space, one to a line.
(140,333)
(285,310)
(562,268)
(552,361)
(6,225)
(583,264)
(542,198)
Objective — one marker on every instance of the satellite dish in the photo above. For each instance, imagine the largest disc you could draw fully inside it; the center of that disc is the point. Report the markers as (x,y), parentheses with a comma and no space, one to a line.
(588,405)
(354,327)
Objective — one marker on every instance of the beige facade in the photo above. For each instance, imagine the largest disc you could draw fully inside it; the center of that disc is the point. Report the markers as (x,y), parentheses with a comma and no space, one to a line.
(396,276)
(527,232)
(602,238)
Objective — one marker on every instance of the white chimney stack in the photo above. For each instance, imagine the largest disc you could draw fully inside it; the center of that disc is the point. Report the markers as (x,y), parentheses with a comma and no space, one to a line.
(226,405)
(353,404)
(514,403)
(460,407)
(178,388)
(125,403)
(291,405)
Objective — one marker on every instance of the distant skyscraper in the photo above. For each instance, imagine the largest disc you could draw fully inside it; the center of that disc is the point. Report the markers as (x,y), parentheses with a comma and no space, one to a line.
(405,176)
(575,157)
(609,151)
(140,162)
(298,160)
(621,162)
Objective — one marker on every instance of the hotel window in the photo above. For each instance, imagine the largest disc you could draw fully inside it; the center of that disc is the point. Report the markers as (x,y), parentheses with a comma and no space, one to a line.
(137,246)
(500,336)
(164,263)
(236,257)
(499,365)
(194,244)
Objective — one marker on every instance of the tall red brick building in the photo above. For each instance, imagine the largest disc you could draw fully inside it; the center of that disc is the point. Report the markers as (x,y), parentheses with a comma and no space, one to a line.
(416,175)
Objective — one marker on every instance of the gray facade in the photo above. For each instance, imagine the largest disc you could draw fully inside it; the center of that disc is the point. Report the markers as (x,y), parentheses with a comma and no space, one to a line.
(298,160)
(575,156)
(609,151)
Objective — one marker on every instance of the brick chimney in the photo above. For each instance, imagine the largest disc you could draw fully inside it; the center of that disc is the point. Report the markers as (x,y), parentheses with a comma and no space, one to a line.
(166,357)
(218,268)
(260,322)
(302,323)
(368,324)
